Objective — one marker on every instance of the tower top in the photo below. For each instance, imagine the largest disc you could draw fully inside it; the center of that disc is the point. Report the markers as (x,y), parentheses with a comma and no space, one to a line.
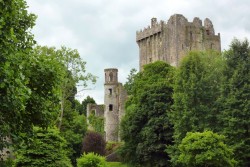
(111,76)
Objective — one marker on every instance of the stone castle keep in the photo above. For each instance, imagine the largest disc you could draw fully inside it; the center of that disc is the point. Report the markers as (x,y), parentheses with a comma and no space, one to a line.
(171,41)
(168,42)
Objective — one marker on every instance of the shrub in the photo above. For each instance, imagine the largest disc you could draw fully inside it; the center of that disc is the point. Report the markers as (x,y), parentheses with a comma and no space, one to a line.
(91,160)
(46,148)
(205,149)
(93,142)
(112,147)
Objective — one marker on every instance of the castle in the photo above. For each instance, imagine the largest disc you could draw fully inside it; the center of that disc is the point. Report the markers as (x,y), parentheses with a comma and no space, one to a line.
(171,41)
(114,101)
(168,42)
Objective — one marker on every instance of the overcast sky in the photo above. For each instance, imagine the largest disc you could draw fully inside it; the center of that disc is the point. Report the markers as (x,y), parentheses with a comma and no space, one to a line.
(103,31)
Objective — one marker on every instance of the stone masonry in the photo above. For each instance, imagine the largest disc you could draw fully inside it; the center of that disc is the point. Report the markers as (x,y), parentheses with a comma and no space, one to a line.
(171,41)
(168,42)
(114,101)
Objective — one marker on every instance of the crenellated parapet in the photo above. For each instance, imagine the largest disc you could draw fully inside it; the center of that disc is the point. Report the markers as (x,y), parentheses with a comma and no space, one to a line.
(170,41)
(156,27)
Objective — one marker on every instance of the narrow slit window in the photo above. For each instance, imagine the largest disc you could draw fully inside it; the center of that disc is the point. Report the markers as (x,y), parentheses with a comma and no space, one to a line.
(207,31)
(211,46)
(110,91)
(111,77)
(110,107)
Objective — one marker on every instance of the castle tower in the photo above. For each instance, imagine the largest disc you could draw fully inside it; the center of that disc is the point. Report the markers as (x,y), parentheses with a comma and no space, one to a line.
(111,101)
(171,41)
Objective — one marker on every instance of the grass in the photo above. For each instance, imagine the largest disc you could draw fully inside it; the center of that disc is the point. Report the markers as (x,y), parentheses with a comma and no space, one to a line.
(116,164)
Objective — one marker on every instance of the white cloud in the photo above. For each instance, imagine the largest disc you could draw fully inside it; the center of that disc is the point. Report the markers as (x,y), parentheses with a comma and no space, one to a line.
(103,31)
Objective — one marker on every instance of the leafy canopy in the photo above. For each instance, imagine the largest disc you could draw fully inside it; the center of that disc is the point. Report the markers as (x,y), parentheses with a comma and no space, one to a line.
(145,127)
(205,149)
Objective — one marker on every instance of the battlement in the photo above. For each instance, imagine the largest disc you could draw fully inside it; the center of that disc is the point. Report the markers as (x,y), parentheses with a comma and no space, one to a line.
(155,28)
(171,40)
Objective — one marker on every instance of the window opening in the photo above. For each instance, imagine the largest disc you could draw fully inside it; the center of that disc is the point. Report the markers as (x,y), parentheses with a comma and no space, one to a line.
(92,112)
(111,77)
(211,47)
(207,31)
(110,107)
(110,91)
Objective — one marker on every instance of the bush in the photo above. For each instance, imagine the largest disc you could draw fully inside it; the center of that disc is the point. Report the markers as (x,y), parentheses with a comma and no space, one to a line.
(91,160)
(205,149)
(112,147)
(46,148)
(93,142)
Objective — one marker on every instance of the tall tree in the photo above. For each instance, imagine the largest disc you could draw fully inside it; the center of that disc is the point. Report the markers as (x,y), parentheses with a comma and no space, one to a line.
(235,103)
(145,128)
(47,148)
(70,123)
(196,89)
(15,41)
(130,80)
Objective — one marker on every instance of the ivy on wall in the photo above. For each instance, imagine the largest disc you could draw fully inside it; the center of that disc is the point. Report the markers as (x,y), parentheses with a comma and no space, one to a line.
(96,122)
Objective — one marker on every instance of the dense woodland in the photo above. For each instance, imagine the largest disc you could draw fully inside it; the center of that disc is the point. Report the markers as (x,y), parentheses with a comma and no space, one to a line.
(197,114)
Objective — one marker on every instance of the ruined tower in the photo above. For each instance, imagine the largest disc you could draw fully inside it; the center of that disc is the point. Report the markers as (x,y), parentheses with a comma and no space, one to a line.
(171,41)
(114,99)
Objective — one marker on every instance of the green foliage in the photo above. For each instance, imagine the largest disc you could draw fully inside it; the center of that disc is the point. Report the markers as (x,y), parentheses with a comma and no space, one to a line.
(46,148)
(26,99)
(234,101)
(91,160)
(16,42)
(73,132)
(93,142)
(145,127)
(196,89)
(85,102)
(112,147)
(97,123)
(6,163)
(130,80)
(15,26)
(116,164)
(72,71)
(205,149)
(195,92)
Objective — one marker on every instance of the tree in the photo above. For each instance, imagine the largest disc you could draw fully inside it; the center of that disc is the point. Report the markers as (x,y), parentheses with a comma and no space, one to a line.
(129,84)
(15,27)
(234,100)
(93,142)
(145,127)
(85,102)
(72,73)
(26,99)
(196,89)
(47,148)
(16,41)
(205,149)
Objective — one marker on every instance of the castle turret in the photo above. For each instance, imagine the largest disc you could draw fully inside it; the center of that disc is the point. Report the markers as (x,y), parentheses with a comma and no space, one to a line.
(111,101)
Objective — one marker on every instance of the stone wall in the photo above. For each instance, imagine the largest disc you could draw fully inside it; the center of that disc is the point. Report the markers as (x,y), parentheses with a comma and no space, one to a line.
(171,41)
